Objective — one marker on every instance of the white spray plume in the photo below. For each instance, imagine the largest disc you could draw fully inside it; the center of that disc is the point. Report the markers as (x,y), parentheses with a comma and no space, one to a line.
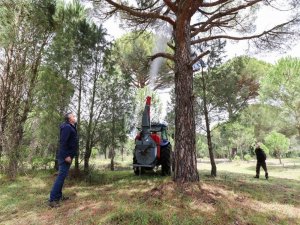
(162,36)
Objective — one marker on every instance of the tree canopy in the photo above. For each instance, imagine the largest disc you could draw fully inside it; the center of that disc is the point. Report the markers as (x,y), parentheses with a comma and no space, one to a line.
(194,23)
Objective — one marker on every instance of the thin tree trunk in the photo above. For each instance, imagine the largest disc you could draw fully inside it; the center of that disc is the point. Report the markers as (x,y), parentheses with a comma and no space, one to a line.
(279,157)
(89,137)
(185,146)
(112,163)
(241,150)
(208,132)
(122,152)
(87,156)
(78,118)
(3,117)
(105,153)
(90,134)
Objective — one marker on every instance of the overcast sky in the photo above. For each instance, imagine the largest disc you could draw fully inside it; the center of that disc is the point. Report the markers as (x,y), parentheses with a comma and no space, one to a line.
(266,18)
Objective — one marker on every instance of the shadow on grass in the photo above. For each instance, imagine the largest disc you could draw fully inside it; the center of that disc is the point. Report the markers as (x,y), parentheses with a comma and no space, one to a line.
(98,178)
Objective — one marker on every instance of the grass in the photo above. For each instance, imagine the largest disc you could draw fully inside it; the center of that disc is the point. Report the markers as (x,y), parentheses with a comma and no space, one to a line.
(120,197)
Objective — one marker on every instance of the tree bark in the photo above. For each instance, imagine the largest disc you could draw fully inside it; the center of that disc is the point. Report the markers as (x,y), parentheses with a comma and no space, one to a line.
(185,146)
(208,132)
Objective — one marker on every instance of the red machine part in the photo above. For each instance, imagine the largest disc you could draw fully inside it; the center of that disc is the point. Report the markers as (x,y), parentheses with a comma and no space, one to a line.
(156,138)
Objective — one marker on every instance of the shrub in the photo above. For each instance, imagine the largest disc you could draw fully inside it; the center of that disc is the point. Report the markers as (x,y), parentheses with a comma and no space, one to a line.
(41,162)
(247,157)
(236,158)
(94,153)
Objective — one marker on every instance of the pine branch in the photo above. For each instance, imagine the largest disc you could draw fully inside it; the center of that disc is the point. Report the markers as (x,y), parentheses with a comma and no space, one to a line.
(271,32)
(200,57)
(162,54)
(139,14)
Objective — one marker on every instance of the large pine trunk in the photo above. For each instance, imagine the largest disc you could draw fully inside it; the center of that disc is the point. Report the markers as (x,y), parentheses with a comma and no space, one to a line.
(185,146)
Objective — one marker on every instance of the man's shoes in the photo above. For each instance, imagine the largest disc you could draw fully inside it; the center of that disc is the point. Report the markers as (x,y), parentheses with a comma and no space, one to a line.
(256,177)
(267,176)
(64,198)
(53,204)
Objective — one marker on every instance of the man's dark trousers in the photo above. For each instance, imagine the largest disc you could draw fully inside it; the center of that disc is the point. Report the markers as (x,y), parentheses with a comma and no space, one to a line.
(56,192)
(263,165)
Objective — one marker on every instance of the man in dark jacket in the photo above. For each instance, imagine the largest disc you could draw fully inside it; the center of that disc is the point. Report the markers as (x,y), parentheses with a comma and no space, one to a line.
(261,161)
(67,150)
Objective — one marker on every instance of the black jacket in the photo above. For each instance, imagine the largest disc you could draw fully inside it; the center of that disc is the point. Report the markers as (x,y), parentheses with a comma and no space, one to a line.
(68,141)
(260,155)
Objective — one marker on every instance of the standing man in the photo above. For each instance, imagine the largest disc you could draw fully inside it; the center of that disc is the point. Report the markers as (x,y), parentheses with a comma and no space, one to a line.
(261,161)
(67,150)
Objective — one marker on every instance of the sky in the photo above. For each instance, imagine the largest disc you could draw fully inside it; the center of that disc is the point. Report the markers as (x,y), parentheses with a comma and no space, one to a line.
(266,18)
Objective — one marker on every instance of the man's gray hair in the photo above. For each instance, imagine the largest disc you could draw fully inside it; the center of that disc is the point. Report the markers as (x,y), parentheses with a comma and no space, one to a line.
(67,116)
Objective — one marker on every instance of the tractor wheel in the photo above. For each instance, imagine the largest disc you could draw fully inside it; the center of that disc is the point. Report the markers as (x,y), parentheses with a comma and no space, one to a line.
(136,169)
(165,158)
